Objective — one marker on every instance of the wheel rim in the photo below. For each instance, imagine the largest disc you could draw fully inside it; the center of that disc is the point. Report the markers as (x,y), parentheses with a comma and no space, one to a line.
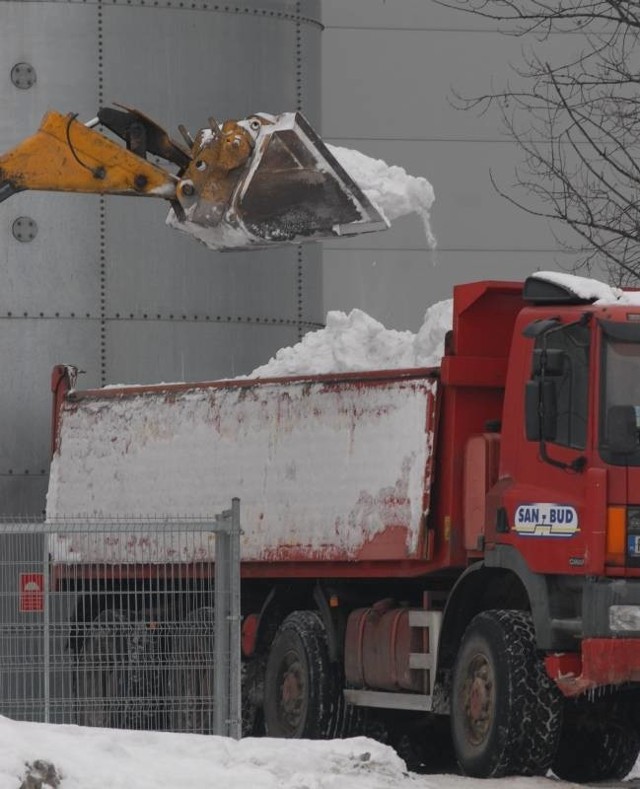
(292,692)
(478,699)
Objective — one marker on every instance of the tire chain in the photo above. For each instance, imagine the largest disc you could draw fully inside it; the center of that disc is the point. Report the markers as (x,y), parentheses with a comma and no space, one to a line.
(537,698)
(527,729)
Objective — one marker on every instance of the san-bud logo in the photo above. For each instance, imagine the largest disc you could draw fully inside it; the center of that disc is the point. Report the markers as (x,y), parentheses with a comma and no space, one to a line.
(546,520)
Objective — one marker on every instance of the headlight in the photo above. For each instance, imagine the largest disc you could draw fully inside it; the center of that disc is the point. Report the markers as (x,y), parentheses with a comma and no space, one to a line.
(624,618)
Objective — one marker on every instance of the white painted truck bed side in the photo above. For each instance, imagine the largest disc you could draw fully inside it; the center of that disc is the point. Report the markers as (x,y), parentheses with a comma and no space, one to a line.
(325,470)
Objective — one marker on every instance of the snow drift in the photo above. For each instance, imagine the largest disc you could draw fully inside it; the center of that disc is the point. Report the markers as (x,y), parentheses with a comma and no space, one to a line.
(356,342)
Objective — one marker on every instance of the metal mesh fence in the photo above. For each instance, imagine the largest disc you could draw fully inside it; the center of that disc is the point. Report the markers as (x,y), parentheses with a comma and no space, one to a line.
(124,624)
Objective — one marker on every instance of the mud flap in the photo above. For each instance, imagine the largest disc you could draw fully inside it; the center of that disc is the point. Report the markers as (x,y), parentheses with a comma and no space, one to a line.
(290,189)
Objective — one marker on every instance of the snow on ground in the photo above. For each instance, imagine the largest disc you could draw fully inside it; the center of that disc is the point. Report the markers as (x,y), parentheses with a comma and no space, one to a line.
(101,758)
(357,342)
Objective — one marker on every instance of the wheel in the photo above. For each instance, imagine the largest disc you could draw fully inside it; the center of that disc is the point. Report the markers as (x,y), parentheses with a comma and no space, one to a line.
(599,741)
(302,697)
(102,677)
(192,673)
(505,710)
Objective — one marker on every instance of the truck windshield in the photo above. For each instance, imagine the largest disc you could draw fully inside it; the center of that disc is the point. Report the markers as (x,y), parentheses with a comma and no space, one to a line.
(620,382)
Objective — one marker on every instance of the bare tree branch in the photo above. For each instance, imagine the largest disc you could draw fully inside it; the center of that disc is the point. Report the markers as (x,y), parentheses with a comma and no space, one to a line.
(576,119)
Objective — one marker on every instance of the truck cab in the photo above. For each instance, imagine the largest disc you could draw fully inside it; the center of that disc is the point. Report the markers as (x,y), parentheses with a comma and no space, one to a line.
(566,502)
(550,520)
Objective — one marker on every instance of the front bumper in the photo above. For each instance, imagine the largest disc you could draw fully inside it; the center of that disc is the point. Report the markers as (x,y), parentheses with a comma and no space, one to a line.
(608,641)
(602,661)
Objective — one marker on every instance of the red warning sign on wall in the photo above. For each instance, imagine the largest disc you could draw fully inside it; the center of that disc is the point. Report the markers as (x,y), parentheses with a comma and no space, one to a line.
(31,592)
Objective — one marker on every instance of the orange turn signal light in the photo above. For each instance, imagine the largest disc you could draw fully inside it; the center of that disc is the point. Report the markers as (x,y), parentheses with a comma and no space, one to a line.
(616,535)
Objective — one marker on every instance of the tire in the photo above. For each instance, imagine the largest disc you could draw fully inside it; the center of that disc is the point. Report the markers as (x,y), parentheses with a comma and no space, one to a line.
(102,678)
(598,742)
(302,696)
(506,712)
(191,681)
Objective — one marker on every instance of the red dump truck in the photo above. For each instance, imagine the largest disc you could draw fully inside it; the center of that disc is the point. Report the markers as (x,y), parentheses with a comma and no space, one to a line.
(456,544)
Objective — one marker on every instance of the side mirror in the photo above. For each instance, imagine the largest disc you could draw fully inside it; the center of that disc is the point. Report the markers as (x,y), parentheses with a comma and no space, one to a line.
(541,410)
(622,429)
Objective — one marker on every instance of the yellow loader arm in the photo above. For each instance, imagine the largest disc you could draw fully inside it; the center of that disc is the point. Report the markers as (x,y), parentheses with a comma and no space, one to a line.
(259,181)
(67,156)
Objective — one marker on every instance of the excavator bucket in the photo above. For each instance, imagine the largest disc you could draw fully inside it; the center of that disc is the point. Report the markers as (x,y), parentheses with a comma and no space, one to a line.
(269,180)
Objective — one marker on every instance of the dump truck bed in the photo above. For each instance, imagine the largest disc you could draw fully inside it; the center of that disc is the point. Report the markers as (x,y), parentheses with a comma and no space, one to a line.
(332,468)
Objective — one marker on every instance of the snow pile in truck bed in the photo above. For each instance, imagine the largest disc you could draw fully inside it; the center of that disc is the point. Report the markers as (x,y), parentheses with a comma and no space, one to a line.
(256,444)
(356,342)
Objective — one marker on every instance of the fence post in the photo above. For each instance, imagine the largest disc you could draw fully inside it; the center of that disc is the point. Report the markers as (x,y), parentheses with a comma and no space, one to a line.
(46,617)
(235,622)
(221,625)
(227,649)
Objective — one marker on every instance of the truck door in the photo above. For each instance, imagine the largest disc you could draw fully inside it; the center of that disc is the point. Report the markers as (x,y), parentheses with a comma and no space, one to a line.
(546,508)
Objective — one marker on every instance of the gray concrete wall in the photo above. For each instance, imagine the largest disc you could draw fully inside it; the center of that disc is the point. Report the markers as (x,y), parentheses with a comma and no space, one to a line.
(388,70)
